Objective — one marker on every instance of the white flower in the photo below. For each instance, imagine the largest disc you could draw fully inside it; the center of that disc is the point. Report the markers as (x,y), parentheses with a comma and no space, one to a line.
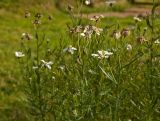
(102,54)
(96,18)
(26,36)
(87,2)
(89,30)
(125,32)
(97,30)
(129,47)
(116,35)
(157,41)
(70,49)
(53,78)
(83,34)
(137,19)
(62,67)
(47,64)
(19,54)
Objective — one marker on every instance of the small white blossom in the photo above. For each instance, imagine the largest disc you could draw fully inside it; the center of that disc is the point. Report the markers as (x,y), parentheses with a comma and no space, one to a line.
(89,30)
(53,78)
(87,2)
(157,41)
(125,32)
(97,30)
(96,18)
(137,19)
(83,34)
(116,35)
(70,49)
(62,67)
(26,36)
(19,54)
(102,54)
(129,47)
(47,64)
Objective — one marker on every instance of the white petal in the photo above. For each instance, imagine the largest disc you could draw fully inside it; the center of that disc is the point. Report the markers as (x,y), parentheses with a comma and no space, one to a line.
(43,61)
(108,53)
(19,54)
(94,55)
(82,34)
(50,63)
(48,66)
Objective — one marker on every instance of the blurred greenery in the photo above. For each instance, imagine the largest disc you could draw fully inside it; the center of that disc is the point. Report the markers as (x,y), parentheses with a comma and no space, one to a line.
(13,24)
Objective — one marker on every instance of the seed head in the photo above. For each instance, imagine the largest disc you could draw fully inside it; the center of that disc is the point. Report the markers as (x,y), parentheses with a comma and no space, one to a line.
(26,36)
(116,34)
(36,22)
(141,39)
(50,17)
(70,8)
(38,15)
(27,14)
(125,32)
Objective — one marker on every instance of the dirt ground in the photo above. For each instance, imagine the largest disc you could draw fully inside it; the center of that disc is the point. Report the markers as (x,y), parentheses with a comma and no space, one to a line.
(134,11)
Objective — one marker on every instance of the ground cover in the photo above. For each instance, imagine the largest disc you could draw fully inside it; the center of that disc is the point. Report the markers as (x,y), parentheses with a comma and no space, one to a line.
(134,95)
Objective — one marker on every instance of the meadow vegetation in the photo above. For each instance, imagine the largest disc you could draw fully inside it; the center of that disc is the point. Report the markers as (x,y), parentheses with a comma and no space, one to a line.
(56,66)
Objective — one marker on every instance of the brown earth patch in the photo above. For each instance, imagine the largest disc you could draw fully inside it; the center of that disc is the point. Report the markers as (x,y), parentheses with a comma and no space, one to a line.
(134,11)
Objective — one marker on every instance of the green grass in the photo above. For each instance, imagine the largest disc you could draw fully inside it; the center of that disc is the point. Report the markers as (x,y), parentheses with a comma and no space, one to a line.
(12,98)
(13,24)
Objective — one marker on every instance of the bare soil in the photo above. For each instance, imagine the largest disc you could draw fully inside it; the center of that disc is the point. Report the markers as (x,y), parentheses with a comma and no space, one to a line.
(134,11)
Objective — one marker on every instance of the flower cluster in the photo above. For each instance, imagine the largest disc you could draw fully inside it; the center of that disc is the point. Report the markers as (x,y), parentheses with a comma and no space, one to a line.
(137,19)
(96,18)
(141,39)
(37,20)
(70,49)
(76,29)
(26,36)
(89,30)
(116,34)
(19,54)
(46,64)
(125,32)
(86,31)
(101,54)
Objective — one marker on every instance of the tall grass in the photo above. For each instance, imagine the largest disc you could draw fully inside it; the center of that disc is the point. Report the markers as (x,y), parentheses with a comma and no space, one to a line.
(95,73)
